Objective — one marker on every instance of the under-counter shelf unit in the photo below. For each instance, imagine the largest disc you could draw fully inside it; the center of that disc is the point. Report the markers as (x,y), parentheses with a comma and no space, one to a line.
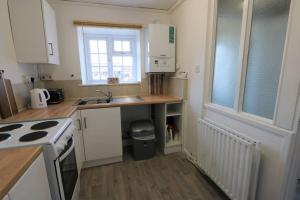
(168,124)
(33,25)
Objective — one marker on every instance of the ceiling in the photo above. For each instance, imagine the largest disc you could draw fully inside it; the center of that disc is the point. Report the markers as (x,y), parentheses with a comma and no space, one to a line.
(152,4)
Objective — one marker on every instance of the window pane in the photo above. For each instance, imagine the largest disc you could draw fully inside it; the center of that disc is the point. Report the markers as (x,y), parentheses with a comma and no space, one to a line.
(127,61)
(102,46)
(117,71)
(128,74)
(93,46)
(103,59)
(118,46)
(269,26)
(117,61)
(95,73)
(95,60)
(126,46)
(103,73)
(229,23)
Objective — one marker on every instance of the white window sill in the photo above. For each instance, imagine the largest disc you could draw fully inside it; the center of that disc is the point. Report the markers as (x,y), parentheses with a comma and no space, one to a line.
(249,119)
(106,84)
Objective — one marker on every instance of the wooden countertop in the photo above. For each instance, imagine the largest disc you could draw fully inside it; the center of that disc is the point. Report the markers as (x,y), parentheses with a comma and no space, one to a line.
(147,100)
(13,163)
(67,108)
(62,110)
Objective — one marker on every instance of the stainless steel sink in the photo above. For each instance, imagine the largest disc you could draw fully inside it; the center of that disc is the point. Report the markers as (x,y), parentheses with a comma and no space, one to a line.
(92,100)
(127,99)
(105,100)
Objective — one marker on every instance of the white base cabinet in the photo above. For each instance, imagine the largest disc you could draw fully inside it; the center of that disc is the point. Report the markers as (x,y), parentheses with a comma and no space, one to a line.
(33,185)
(102,134)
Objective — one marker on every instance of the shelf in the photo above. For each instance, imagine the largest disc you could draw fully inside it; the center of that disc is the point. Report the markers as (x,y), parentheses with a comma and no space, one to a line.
(174,109)
(170,114)
(173,143)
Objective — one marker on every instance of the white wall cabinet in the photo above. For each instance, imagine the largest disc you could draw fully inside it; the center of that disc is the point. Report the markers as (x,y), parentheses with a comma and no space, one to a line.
(78,138)
(34,31)
(33,185)
(102,134)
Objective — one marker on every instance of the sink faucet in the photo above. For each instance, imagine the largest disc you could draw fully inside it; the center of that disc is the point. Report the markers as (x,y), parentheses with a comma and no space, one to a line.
(108,94)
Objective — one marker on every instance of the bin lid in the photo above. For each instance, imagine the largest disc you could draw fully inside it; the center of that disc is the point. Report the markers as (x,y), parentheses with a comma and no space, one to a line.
(145,138)
(141,126)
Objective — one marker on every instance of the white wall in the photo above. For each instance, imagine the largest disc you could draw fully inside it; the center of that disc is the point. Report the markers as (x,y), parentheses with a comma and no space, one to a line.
(13,70)
(190,19)
(67,12)
(193,20)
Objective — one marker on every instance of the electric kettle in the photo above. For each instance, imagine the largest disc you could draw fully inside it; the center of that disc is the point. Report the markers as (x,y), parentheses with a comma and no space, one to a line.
(38,98)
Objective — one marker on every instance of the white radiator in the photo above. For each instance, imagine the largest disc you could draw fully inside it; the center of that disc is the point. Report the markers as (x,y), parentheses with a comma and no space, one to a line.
(230,159)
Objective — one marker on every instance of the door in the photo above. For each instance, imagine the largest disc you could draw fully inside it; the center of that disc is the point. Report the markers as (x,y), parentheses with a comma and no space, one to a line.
(78,138)
(33,184)
(102,133)
(51,33)
(66,166)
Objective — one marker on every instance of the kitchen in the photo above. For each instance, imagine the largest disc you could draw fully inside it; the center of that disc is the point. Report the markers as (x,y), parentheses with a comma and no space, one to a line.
(154,67)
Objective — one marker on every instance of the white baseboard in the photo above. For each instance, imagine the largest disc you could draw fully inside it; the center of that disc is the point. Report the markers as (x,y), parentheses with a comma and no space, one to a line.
(105,161)
(172,149)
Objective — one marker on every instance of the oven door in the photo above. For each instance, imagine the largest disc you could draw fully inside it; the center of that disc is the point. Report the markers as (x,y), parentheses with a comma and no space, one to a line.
(67,173)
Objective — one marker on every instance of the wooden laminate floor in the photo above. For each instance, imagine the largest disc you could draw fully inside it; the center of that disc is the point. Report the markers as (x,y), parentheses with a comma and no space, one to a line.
(163,177)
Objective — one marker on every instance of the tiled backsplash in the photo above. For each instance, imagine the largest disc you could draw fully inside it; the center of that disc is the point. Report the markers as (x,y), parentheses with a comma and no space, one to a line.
(73,88)
(22,94)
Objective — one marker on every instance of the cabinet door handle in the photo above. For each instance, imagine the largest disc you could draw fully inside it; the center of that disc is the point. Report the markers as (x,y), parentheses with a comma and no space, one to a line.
(51,46)
(79,123)
(84,122)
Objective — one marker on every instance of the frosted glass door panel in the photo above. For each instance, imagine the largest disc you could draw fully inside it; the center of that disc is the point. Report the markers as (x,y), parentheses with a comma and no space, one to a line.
(228,34)
(268,33)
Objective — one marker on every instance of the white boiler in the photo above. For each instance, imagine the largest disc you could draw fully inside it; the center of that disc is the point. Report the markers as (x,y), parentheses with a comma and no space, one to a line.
(160,48)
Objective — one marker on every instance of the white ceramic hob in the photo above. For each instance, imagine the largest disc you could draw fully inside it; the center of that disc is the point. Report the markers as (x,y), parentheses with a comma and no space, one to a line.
(32,133)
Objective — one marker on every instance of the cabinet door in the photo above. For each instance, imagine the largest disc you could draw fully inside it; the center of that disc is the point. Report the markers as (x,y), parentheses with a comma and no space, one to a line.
(51,33)
(33,185)
(102,133)
(26,19)
(5,198)
(78,138)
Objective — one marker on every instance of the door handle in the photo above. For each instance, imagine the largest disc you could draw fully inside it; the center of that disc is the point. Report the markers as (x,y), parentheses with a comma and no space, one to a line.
(79,123)
(84,122)
(51,46)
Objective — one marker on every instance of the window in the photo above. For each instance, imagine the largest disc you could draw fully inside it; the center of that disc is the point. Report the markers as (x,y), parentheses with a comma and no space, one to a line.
(229,24)
(246,74)
(110,52)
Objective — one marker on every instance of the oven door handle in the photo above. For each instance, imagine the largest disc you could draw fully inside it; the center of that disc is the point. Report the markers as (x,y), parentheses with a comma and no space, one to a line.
(62,157)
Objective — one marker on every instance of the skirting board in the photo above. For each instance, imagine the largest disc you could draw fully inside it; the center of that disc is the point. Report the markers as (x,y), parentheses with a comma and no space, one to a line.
(173,149)
(103,162)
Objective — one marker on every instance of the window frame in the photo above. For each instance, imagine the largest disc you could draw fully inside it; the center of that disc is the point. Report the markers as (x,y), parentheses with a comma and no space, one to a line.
(110,38)
(237,109)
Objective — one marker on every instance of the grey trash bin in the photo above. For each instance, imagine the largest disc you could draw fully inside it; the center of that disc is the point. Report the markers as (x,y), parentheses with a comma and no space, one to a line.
(144,139)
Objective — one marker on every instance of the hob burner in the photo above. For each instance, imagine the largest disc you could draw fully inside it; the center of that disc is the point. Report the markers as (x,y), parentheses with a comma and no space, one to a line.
(10,127)
(33,136)
(44,125)
(4,136)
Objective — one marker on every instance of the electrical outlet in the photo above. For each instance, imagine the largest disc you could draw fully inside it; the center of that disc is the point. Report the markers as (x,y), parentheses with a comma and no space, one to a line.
(45,77)
(26,80)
